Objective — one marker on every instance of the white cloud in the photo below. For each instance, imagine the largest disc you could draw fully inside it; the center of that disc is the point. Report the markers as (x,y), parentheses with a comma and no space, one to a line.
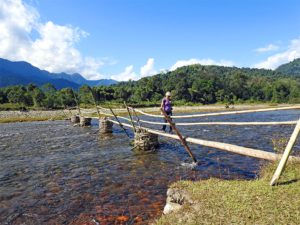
(127,74)
(148,68)
(181,63)
(54,47)
(292,52)
(268,48)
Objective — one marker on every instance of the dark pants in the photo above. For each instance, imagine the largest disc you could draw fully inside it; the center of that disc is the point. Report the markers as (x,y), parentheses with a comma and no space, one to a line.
(165,121)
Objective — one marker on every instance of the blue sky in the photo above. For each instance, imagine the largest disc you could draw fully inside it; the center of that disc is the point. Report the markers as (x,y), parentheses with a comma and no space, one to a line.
(125,39)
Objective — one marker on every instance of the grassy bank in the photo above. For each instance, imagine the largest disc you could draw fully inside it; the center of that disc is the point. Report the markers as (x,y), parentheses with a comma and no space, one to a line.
(241,202)
(29,119)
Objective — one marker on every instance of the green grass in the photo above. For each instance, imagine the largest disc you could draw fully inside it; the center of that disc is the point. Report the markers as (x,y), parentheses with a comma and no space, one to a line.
(241,201)
(10,106)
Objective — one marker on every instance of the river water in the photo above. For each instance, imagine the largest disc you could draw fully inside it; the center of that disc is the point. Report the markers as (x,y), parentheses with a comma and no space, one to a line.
(54,173)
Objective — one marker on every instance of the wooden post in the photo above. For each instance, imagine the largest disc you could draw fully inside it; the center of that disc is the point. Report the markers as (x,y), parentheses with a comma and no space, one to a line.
(120,124)
(183,141)
(132,123)
(286,154)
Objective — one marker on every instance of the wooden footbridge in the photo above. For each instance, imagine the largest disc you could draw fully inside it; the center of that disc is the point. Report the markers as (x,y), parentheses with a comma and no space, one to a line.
(134,122)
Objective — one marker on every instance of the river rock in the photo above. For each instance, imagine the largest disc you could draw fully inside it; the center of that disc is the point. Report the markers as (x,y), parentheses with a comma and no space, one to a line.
(176,198)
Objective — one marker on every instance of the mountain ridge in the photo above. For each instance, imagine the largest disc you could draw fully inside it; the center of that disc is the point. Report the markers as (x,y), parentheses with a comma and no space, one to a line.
(21,72)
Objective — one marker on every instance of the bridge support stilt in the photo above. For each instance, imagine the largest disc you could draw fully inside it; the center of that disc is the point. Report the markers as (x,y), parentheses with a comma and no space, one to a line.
(75,119)
(85,121)
(145,141)
(105,126)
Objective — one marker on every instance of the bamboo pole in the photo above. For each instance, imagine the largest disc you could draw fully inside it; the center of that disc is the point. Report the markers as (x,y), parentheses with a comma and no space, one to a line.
(182,140)
(255,153)
(131,120)
(286,154)
(138,118)
(226,123)
(209,123)
(206,123)
(222,113)
(119,123)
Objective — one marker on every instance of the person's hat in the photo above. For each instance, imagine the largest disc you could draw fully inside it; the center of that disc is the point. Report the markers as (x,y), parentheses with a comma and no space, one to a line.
(168,93)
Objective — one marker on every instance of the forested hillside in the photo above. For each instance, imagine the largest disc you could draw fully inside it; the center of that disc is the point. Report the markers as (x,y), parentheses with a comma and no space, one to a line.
(189,85)
(291,68)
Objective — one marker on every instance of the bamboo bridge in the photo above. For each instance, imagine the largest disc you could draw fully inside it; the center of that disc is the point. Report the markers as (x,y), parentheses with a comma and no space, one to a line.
(136,124)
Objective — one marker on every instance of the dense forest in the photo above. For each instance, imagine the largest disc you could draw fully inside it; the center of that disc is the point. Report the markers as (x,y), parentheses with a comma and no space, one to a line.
(195,84)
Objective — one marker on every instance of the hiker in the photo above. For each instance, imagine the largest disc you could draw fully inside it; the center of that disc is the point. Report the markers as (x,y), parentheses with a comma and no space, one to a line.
(166,105)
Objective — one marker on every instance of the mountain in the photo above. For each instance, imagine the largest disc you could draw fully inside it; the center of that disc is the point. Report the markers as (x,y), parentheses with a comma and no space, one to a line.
(291,68)
(14,73)
(78,79)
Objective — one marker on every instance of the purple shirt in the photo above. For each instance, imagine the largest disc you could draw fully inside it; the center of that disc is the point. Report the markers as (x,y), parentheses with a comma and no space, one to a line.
(167,105)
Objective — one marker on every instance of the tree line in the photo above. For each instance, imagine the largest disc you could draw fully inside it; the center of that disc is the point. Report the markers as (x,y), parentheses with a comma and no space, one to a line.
(193,84)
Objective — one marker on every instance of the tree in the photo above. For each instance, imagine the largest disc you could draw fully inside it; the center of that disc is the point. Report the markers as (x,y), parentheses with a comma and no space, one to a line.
(18,94)
(66,96)
(51,101)
(38,97)
(3,97)
(281,91)
(85,95)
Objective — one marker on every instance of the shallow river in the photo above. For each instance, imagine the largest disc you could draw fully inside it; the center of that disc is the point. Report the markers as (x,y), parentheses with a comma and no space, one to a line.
(54,173)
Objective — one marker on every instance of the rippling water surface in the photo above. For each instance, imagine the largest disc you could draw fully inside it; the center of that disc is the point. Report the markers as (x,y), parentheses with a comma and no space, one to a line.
(54,173)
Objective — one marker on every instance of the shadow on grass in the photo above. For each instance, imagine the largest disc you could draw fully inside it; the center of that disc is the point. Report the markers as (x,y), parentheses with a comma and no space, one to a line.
(287,182)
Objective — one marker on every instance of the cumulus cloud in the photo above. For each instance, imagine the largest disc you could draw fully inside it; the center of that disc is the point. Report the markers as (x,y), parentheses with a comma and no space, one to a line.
(148,68)
(127,74)
(54,47)
(181,63)
(268,48)
(292,52)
